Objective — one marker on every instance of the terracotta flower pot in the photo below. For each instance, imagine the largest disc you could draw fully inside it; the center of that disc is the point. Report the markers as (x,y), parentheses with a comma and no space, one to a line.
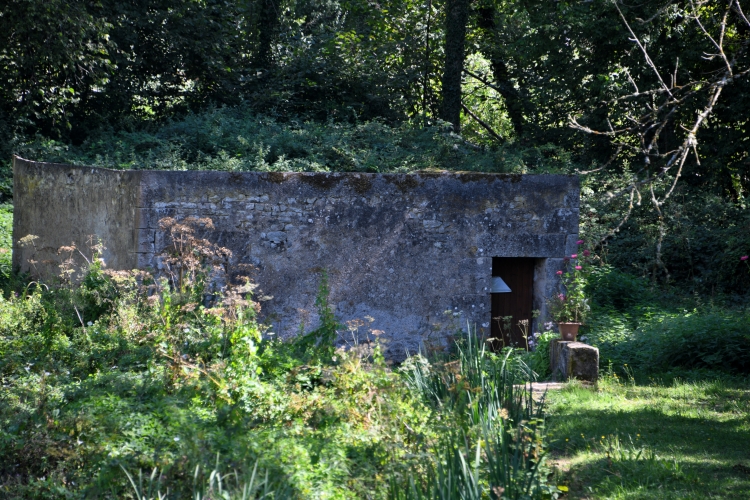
(568,331)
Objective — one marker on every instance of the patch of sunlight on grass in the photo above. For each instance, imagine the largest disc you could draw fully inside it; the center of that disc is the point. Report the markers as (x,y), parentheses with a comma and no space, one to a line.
(627,441)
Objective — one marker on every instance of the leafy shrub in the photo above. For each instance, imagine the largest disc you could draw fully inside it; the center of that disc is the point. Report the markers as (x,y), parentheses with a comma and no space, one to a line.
(109,375)
(538,359)
(717,340)
(652,333)
(238,139)
(612,289)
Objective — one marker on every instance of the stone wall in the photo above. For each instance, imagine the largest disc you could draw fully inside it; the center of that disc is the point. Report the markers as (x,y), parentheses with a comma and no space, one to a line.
(401,249)
(62,204)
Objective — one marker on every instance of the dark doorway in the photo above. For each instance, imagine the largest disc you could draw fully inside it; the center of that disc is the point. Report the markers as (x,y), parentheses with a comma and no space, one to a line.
(518,274)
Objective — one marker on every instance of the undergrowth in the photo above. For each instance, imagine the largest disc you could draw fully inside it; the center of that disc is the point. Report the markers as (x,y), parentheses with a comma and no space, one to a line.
(238,139)
(649,331)
(133,385)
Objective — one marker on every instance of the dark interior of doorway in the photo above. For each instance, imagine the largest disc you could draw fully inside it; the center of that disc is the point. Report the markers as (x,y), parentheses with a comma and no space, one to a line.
(508,309)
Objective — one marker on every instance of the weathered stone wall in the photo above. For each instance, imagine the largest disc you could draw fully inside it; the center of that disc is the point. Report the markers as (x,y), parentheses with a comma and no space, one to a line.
(401,249)
(63,204)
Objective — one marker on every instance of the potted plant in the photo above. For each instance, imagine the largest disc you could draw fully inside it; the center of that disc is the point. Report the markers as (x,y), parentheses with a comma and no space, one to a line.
(569,306)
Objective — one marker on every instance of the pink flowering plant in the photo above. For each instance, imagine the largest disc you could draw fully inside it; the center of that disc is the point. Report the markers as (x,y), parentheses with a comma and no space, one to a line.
(569,304)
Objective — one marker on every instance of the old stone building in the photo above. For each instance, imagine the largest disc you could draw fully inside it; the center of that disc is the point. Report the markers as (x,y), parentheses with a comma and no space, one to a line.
(415,253)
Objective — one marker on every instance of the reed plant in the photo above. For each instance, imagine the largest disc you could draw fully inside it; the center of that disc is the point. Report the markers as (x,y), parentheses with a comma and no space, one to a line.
(494,446)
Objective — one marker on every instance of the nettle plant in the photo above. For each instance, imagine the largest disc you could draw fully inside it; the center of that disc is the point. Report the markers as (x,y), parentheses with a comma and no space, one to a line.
(569,304)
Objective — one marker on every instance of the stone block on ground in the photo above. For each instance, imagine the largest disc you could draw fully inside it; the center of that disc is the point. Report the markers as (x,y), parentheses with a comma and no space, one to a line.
(574,360)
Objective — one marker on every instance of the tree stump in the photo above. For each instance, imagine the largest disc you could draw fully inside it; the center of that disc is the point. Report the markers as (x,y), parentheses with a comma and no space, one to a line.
(574,360)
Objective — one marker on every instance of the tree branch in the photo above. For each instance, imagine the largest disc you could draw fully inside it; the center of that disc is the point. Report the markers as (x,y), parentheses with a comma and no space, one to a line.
(482,123)
(483,80)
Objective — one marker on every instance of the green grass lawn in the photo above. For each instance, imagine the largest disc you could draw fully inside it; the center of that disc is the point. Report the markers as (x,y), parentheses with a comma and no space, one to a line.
(681,440)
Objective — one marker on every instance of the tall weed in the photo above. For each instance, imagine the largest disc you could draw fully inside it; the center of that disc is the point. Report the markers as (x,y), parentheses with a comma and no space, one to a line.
(651,333)
(494,446)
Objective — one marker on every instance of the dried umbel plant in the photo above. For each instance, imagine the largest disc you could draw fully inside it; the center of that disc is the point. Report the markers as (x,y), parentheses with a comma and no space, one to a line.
(186,255)
(194,264)
(70,253)
(30,241)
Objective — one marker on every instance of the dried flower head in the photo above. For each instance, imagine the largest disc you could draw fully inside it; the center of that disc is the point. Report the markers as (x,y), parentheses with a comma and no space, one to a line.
(28,240)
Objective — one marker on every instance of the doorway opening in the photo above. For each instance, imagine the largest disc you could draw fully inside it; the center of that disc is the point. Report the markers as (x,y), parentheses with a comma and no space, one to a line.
(509,311)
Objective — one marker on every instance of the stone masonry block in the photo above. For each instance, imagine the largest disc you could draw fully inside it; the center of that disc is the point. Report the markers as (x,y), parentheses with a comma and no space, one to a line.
(574,360)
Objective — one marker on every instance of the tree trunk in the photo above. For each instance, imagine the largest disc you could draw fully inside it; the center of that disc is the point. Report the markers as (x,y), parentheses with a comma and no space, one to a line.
(457,15)
(513,101)
(268,22)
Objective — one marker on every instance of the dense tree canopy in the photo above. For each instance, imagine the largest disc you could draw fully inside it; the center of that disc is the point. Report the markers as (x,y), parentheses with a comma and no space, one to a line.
(650,98)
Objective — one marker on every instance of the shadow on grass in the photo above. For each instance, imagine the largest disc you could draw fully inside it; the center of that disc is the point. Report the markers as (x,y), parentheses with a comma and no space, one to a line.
(660,449)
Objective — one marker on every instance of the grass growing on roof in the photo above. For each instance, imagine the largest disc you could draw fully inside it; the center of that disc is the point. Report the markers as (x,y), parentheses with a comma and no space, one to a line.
(238,139)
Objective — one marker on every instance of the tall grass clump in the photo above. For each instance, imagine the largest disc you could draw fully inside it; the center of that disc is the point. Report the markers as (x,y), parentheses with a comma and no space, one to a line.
(492,444)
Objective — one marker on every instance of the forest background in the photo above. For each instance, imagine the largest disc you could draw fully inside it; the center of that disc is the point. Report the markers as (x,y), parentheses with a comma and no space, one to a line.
(647,102)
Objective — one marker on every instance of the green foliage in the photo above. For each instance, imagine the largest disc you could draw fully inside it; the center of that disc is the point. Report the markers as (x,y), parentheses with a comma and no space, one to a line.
(6,239)
(715,340)
(493,442)
(485,102)
(108,375)
(538,358)
(705,236)
(51,55)
(317,347)
(237,139)
(653,332)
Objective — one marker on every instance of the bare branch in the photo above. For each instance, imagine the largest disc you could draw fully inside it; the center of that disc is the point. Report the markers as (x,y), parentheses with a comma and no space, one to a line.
(719,45)
(482,123)
(613,231)
(691,140)
(643,49)
(483,80)
(738,10)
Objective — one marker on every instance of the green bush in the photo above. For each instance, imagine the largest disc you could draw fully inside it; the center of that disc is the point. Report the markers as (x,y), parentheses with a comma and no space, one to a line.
(238,139)
(717,340)
(123,384)
(657,331)
(538,358)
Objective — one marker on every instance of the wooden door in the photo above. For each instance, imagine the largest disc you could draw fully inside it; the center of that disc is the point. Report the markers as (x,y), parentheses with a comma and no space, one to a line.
(518,274)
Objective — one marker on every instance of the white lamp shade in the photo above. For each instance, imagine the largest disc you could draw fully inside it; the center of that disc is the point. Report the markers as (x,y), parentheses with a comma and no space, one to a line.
(498,285)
